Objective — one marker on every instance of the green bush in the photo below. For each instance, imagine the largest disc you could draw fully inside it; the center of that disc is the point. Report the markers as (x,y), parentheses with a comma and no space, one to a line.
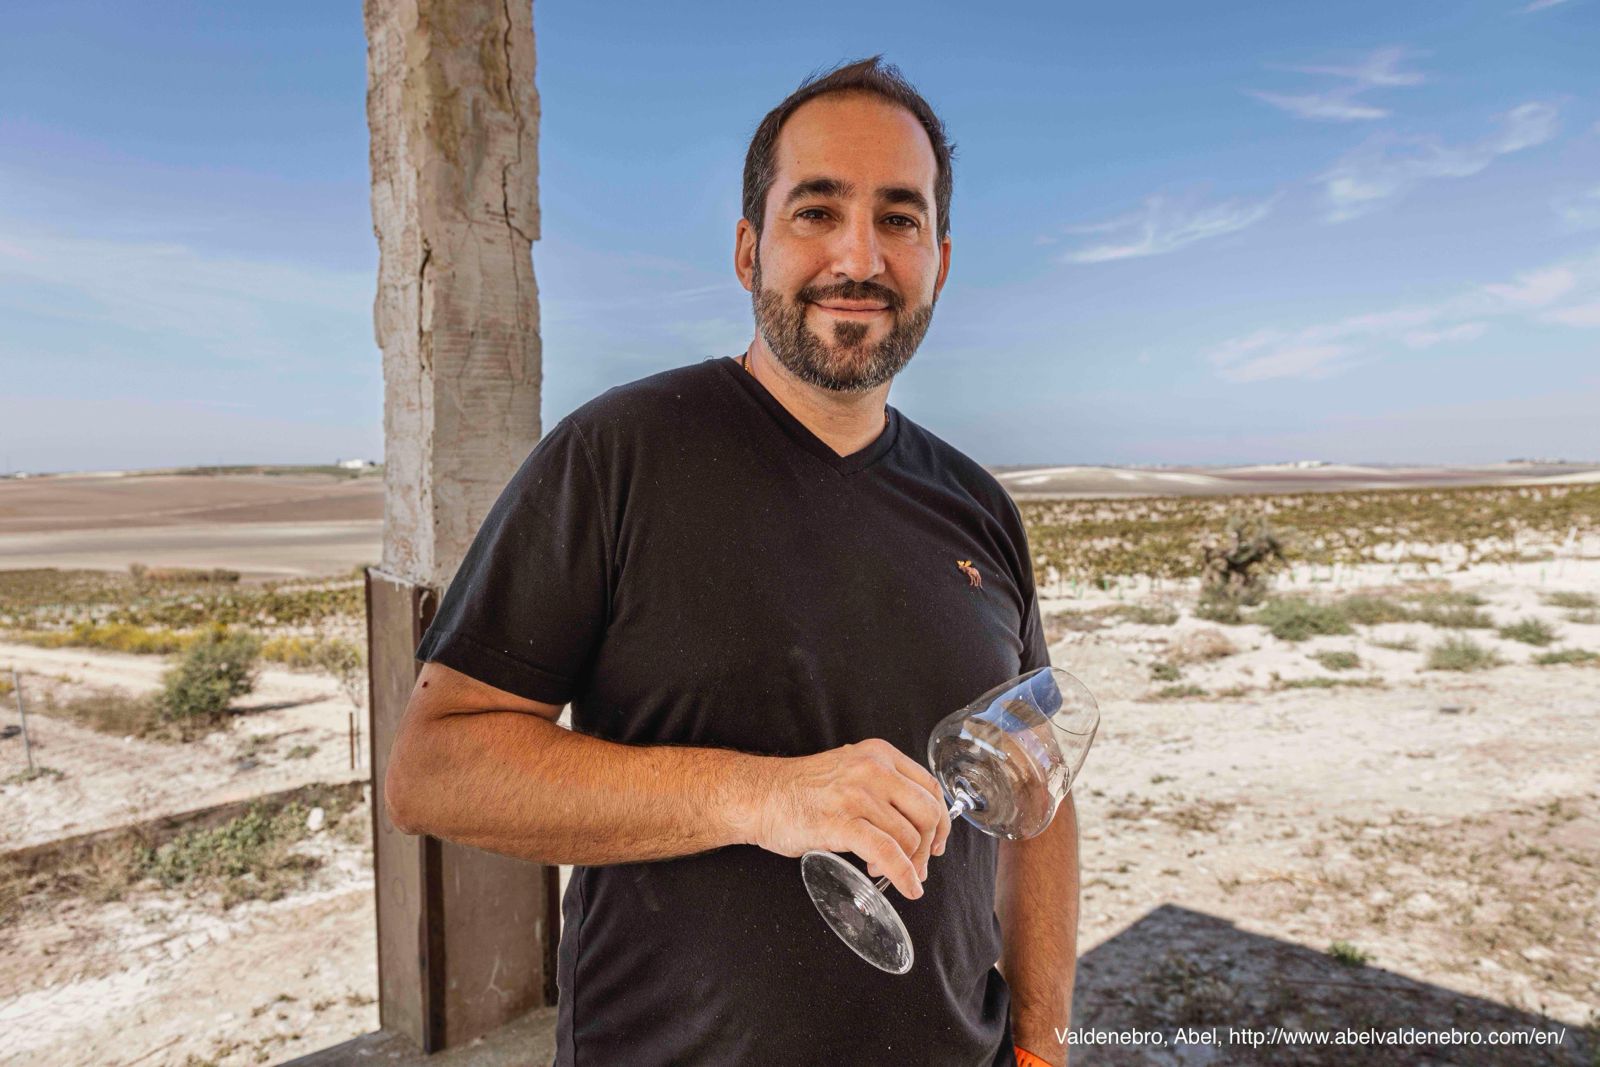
(1453,616)
(1349,955)
(1366,610)
(1566,655)
(219,666)
(1460,653)
(1164,672)
(1179,692)
(1295,618)
(1338,661)
(1216,606)
(1529,632)
(1575,601)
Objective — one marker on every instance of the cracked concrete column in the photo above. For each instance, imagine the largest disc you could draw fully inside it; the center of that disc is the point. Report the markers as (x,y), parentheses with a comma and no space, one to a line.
(466,939)
(454,119)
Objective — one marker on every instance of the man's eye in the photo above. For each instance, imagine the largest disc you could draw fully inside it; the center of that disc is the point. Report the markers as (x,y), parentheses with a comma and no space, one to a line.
(807,211)
(904,218)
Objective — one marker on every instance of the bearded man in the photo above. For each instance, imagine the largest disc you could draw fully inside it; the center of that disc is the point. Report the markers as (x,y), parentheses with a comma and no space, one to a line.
(759,587)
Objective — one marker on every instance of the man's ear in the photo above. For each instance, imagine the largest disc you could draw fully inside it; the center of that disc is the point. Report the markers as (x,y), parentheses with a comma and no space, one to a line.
(744,253)
(944,265)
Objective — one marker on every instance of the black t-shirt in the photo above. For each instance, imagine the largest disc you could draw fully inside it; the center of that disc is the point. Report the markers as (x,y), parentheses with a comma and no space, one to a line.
(685,563)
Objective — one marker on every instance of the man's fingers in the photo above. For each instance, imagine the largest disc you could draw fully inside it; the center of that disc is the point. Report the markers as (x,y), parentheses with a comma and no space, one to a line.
(890,818)
(877,847)
(928,799)
(924,813)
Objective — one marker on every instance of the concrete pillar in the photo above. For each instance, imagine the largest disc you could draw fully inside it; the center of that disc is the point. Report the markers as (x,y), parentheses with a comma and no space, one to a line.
(466,938)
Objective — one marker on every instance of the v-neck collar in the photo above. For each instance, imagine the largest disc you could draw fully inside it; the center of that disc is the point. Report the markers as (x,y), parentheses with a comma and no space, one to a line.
(798,432)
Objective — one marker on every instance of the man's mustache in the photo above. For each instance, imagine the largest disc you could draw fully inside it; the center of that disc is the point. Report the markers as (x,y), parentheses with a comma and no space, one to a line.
(860,291)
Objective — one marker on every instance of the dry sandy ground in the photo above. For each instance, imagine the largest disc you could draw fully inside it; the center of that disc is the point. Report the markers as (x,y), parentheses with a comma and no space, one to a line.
(112,781)
(264,526)
(1447,825)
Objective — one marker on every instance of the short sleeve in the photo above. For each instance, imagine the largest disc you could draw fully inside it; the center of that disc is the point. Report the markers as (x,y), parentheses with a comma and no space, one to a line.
(1035,652)
(528,606)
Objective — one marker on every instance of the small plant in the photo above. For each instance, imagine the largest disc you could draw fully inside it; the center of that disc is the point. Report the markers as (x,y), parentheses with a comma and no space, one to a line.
(23,777)
(1338,661)
(1237,566)
(1460,653)
(1574,601)
(1404,644)
(1583,618)
(248,858)
(1179,692)
(1453,616)
(1295,618)
(1529,632)
(1566,655)
(1348,955)
(301,752)
(1365,610)
(1164,672)
(1324,682)
(1148,615)
(218,667)
(1218,609)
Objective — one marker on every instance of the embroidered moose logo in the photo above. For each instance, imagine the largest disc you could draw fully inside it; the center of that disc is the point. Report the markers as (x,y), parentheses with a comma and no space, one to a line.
(973,577)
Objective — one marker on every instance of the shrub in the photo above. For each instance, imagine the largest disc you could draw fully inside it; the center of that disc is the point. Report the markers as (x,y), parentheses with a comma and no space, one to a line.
(215,669)
(1164,672)
(1324,682)
(114,712)
(1453,616)
(1149,615)
(1460,653)
(1365,610)
(1566,655)
(1575,601)
(1529,632)
(1295,618)
(1404,644)
(1215,607)
(247,858)
(1338,661)
(1584,618)
(1348,955)
(114,637)
(1202,646)
(1178,692)
(1237,566)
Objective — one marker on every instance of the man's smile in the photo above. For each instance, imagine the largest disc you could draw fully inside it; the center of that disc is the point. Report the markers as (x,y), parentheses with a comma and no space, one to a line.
(846,310)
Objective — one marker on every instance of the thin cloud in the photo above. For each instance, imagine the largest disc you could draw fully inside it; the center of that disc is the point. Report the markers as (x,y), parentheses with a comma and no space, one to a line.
(1339,102)
(1325,349)
(1580,212)
(1540,5)
(1385,168)
(1162,227)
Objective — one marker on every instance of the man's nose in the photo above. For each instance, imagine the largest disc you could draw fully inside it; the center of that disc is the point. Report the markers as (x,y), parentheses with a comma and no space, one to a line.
(857,253)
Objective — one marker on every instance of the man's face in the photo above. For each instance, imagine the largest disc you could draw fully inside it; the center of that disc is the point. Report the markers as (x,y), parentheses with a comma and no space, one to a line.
(847,269)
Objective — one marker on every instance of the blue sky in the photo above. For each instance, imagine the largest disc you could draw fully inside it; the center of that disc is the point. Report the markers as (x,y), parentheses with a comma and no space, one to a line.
(1240,232)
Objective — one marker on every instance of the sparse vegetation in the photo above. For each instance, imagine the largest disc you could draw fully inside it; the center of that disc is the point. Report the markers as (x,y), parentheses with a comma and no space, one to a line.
(1148,614)
(1566,655)
(216,669)
(1349,955)
(1164,672)
(121,714)
(1237,566)
(1530,632)
(1179,692)
(1460,653)
(1324,682)
(1296,618)
(1367,610)
(1338,661)
(1573,601)
(1404,644)
(112,637)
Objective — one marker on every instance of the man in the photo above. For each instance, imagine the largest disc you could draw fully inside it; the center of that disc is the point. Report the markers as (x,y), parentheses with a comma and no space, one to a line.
(760,587)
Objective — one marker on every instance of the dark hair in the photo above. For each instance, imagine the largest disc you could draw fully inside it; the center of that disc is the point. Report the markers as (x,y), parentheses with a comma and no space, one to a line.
(863,76)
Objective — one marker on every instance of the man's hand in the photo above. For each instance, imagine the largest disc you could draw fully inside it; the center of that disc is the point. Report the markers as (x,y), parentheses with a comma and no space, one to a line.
(867,798)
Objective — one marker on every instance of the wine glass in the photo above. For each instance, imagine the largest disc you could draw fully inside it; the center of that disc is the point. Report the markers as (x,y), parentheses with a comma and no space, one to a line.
(1007,759)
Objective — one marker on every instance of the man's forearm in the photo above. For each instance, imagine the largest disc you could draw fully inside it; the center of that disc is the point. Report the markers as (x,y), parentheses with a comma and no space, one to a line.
(521,785)
(1037,901)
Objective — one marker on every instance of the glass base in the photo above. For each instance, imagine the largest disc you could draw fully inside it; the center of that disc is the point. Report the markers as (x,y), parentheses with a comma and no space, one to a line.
(860,914)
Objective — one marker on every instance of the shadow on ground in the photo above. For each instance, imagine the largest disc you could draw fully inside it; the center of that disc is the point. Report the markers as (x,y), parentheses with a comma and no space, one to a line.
(1181,968)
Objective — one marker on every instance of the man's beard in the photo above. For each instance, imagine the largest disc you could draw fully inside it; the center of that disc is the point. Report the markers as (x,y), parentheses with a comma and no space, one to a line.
(850,364)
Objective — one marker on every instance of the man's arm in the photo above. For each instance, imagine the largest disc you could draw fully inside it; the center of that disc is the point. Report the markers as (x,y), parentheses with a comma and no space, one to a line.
(1036,897)
(494,770)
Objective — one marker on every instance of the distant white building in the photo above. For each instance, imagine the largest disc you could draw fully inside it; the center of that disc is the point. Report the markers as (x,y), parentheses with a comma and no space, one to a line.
(355,464)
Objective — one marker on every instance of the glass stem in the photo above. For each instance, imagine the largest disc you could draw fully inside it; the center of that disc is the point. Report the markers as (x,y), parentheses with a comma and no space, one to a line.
(963,803)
